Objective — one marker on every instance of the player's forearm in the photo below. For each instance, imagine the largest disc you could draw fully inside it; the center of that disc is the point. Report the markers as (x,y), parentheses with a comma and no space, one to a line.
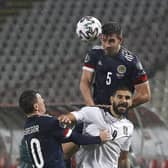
(142,94)
(86,93)
(84,139)
(124,164)
(140,99)
(69,149)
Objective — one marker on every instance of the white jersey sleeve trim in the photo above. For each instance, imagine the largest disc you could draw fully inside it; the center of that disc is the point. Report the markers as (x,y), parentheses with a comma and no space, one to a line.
(88,69)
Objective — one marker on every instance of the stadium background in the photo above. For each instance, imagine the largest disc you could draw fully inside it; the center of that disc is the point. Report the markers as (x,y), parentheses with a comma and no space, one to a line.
(39,49)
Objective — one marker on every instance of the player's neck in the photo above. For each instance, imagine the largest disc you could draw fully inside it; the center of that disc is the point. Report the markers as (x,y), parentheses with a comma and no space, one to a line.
(36,113)
(115,114)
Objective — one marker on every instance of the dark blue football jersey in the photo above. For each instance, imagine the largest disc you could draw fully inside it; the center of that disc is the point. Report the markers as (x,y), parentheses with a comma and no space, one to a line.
(43,136)
(123,69)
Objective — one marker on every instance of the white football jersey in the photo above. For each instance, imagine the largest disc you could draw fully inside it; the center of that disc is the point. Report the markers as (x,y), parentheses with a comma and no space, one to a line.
(104,155)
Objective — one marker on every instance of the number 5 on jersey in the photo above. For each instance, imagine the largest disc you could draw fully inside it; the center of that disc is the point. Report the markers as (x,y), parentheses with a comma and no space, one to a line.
(108,79)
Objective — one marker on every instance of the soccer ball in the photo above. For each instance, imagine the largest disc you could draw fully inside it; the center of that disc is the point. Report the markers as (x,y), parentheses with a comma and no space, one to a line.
(88,28)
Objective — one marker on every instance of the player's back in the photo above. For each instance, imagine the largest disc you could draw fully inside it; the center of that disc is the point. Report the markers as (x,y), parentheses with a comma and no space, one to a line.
(43,136)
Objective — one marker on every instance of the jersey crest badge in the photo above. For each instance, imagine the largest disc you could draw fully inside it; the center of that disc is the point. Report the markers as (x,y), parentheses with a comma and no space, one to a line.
(121,70)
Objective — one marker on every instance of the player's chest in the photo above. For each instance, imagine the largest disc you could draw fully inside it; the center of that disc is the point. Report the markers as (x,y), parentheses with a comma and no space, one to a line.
(120,131)
(113,67)
(118,128)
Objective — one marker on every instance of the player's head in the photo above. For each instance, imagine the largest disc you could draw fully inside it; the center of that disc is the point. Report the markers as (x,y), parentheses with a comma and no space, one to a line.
(121,101)
(31,101)
(111,37)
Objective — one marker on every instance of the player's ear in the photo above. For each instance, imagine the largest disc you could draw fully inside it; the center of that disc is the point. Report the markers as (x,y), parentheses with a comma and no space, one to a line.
(111,99)
(100,36)
(35,106)
(121,39)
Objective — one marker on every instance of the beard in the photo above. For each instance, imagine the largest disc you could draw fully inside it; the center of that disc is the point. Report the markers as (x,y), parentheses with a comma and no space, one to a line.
(111,51)
(120,109)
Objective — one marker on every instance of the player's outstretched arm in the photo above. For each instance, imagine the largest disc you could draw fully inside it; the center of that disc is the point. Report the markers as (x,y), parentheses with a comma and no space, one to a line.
(81,139)
(123,160)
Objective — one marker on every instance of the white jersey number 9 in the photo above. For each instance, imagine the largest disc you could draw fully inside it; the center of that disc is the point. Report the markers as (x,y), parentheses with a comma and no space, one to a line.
(36,152)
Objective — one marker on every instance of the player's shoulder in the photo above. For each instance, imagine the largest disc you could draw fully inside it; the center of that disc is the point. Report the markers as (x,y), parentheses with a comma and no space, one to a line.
(90,108)
(47,119)
(94,54)
(128,55)
(96,49)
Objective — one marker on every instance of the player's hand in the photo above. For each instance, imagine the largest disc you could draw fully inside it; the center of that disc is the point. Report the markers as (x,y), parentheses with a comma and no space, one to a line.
(64,119)
(104,135)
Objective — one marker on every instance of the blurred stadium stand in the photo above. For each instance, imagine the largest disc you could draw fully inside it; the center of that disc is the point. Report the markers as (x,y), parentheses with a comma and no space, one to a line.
(39,49)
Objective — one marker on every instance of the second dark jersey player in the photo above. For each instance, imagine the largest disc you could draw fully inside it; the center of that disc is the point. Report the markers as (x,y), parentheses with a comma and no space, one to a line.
(44,135)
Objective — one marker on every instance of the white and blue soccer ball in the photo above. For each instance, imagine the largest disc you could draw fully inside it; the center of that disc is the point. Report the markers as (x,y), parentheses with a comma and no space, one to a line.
(88,28)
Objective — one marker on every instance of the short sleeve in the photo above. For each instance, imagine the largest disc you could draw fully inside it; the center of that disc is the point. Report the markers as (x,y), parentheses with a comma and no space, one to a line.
(138,73)
(126,145)
(86,114)
(90,61)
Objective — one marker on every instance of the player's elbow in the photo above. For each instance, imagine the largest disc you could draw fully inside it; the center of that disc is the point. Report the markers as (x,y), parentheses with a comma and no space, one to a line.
(143,93)
(147,96)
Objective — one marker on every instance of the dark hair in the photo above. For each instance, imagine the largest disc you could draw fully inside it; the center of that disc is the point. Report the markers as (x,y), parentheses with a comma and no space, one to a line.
(122,87)
(112,28)
(27,100)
